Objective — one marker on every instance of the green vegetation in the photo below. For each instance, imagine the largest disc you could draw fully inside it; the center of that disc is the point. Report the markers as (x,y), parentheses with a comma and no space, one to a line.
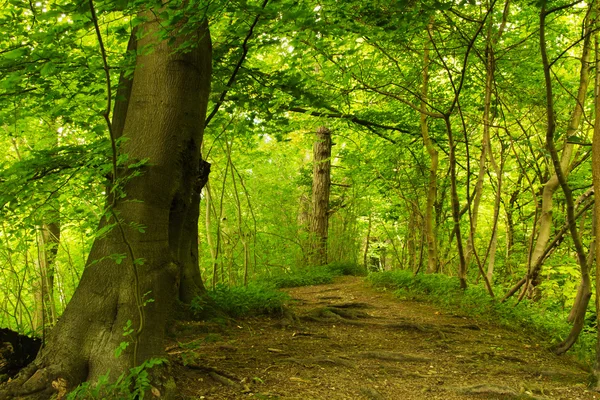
(136,384)
(262,139)
(261,297)
(543,321)
(238,301)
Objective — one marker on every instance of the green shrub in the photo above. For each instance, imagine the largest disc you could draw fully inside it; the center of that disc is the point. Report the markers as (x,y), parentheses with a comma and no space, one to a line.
(236,301)
(303,277)
(134,385)
(346,268)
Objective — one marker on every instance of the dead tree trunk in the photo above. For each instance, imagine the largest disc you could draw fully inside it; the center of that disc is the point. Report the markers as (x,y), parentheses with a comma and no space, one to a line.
(320,196)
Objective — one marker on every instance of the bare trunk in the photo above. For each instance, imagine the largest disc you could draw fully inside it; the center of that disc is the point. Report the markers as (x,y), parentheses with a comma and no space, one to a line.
(48,239)
(462,269)
(430,234)
(579,319)
(596,181)
(545,222)
(320,196)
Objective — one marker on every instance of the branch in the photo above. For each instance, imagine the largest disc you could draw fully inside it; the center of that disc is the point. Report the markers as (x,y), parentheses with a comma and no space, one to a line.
(356,120)
(237,67)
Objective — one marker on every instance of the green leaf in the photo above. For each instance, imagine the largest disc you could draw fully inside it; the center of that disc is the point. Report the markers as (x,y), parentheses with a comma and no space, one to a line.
(48,69)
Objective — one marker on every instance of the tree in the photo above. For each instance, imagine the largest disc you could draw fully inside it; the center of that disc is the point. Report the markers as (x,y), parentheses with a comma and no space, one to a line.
(320,196)
(147,258)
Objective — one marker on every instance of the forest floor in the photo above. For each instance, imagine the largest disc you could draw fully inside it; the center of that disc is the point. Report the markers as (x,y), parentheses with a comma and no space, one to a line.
(347,340)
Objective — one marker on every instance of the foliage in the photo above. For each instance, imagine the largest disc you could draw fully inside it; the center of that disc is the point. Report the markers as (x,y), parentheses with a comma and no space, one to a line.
(133,385)
(541,320)
(346,268)
(237,301)
(303,277)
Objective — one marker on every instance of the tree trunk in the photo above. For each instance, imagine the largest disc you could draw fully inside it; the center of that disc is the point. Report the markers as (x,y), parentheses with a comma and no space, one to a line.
(48,239)
(579,319)
(320,196)
(553,183)
(596,181)
(154,239)
(430,234)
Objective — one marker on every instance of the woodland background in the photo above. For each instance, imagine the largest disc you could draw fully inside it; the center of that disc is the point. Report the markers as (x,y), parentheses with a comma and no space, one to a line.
(439,116)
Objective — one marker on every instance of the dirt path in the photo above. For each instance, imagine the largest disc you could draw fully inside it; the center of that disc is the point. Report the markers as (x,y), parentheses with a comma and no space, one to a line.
(353,342)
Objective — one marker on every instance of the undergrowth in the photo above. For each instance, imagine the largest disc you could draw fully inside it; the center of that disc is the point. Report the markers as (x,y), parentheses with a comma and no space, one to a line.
(237,301)
(538,320)
(262,297)
(315,275)
(134,385)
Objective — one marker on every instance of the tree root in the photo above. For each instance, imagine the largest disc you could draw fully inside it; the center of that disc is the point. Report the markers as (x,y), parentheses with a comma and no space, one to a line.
(222,377)
(327,314)
(352,305)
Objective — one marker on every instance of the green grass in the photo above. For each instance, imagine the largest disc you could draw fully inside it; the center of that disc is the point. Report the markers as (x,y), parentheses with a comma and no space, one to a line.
(315,275)
(537,320)
(237,301)
(263,297)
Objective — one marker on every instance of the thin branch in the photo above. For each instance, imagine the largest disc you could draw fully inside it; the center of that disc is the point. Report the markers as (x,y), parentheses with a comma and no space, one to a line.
(237,67)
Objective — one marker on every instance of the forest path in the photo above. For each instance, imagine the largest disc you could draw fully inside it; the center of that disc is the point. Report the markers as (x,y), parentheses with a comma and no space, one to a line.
(350,341)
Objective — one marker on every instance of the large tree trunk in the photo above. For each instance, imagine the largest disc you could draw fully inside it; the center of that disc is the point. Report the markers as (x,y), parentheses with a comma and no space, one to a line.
(320,196)
(157,222)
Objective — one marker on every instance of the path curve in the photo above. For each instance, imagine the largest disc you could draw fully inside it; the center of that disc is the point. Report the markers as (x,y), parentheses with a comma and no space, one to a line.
(346,340)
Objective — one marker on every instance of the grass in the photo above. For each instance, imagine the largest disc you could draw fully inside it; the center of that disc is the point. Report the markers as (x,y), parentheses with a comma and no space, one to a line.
(263,297)
(544,322)
(237,301)
(316,275)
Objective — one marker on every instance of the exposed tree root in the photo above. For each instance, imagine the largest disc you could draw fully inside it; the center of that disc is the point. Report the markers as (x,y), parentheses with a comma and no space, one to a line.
(494,390)
(222,377)
(329,297)
(326,314)
(352,305)
(297,335)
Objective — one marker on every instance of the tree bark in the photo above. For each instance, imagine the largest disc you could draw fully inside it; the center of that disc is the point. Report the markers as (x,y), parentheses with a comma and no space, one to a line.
(320,196)
(430,234)
(545,223)
(596,182)
(562,179)
(157,213)
(48,239)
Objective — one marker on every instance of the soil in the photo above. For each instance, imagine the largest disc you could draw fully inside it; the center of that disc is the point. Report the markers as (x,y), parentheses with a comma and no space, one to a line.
(347,340)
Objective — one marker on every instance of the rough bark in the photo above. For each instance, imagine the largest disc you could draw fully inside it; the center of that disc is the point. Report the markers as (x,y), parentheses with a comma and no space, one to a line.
(157,223)
(320,196)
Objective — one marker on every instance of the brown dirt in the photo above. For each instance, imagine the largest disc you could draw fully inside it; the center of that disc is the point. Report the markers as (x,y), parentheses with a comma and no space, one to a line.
(371,346)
